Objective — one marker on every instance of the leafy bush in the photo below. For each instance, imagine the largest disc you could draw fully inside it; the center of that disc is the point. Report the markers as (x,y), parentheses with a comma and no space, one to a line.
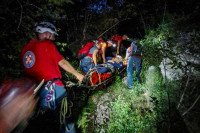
(125,118)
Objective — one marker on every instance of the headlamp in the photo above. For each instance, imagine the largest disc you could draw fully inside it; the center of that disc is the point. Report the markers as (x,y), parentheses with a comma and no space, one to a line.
(114,45)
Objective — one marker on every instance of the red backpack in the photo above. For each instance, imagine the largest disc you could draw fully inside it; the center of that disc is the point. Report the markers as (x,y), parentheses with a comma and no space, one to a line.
(85,50)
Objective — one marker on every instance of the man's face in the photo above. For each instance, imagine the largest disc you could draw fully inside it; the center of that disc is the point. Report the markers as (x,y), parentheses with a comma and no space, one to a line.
(51,36)
(109,43)
(117,60)
(46,36)
(124,37)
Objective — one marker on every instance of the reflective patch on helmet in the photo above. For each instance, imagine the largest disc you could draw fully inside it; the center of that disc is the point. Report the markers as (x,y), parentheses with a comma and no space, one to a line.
(29,59)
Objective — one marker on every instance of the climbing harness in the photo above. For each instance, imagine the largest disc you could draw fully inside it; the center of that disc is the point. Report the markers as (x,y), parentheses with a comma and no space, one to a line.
(50,97)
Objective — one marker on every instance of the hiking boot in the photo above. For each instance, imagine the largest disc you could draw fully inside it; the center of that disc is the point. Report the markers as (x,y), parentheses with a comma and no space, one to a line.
(130,88)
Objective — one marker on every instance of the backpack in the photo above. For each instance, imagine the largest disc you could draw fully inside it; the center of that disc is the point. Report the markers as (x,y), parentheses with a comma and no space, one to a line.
(138,52)
(85,50)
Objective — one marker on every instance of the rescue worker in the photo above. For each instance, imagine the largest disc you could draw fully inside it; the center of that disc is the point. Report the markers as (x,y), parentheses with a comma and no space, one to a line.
(118,39)
(89,61)
(41,60)
(102,49)
(133,57)
(102,52)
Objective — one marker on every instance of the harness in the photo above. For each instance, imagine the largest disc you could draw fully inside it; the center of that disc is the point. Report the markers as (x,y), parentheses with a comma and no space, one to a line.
(135,54)
(50,98)
(51,80)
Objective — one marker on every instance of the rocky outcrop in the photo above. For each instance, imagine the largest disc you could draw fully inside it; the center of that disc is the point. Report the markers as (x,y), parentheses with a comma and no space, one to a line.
(185,58)
(102,112)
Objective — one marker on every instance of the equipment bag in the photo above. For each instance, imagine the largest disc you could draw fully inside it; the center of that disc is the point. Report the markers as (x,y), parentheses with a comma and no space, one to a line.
(85,50)
(138,52)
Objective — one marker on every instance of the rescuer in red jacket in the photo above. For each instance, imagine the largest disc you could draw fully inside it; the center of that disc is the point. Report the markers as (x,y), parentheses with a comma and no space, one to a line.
(118,39)
(41,60)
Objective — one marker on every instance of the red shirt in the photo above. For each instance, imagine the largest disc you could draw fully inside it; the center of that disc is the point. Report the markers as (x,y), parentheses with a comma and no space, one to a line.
(116,38)
(40,60)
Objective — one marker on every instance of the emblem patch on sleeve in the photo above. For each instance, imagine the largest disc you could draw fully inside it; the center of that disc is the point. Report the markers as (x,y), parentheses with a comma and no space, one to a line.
(29,59)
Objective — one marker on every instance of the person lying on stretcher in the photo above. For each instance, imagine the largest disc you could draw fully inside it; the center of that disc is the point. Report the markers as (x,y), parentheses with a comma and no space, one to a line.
(110,65)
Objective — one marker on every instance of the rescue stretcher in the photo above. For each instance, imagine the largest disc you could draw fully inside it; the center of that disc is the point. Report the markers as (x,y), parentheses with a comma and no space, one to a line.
(96,80)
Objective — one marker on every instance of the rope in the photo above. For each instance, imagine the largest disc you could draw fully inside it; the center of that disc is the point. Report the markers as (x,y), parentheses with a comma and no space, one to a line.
(63,110)
(91,80)
(89,76)
(99,77)
(63,113)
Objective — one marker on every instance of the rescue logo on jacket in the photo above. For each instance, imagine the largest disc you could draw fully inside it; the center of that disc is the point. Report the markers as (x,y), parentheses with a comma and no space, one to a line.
(29,59)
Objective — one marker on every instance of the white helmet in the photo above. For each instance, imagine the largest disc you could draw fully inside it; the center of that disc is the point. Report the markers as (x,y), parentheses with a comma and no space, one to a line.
(120,58)
(44,27)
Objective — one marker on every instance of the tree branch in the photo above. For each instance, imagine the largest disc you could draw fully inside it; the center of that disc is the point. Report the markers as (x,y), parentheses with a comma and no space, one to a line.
(164,12)
(34,6)
(87,20)
(183,92)
(142,18)
(20,15)
(191,106)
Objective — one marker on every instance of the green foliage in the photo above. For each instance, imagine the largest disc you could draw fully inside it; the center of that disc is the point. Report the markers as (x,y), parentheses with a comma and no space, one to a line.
(136,110)
(158,43)
(84,121)
(62,46)
(124,118)
(153,78)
